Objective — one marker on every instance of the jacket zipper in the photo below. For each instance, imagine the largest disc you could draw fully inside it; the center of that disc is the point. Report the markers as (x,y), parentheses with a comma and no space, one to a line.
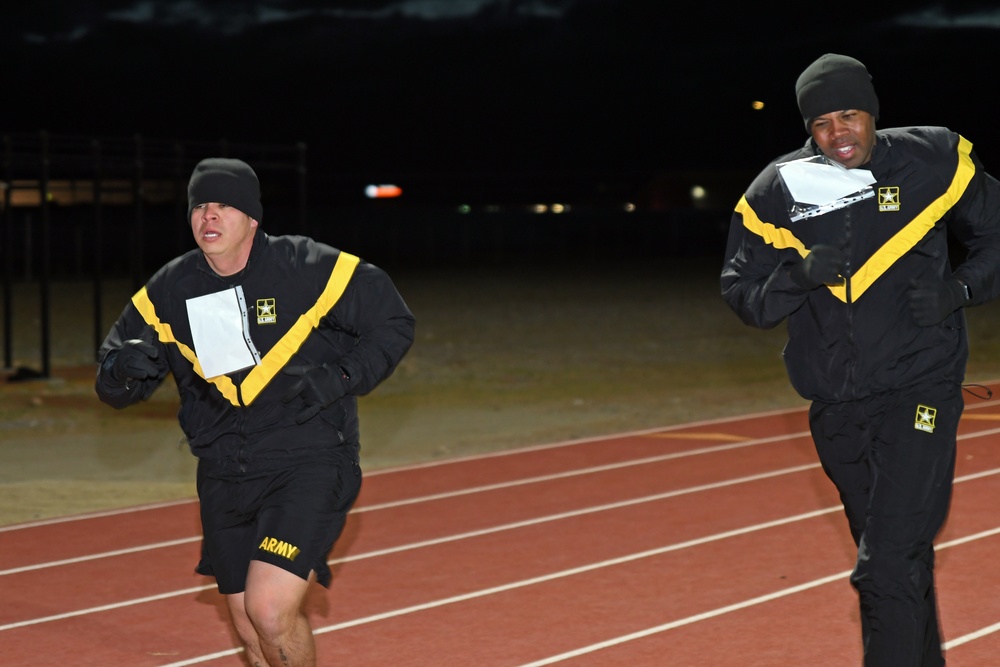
(848,270)
(241,416)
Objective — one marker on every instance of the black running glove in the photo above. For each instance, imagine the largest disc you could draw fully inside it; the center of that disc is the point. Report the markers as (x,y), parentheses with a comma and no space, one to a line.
(932,301)
(319,386)
(134,361)
(822,266)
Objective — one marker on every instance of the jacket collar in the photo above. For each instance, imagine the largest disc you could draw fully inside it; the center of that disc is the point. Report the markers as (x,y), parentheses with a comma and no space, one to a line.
(256,250)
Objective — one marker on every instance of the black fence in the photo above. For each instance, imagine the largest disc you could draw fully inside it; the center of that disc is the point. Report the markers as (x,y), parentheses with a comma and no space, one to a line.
(92,207)
(86,209)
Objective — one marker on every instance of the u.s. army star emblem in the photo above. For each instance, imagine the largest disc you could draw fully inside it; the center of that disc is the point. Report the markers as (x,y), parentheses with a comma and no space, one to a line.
(925,418)
(266,311)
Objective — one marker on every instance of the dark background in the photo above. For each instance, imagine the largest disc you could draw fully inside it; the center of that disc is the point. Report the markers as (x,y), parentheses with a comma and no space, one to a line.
(492,104)
(591,322)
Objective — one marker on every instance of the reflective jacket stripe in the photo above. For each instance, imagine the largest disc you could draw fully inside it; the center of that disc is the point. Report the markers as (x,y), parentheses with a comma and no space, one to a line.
(272,363)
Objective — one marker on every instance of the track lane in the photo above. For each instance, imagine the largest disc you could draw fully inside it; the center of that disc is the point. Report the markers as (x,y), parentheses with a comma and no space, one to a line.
(401,580)
(634,596)
(325,606)
(439,522)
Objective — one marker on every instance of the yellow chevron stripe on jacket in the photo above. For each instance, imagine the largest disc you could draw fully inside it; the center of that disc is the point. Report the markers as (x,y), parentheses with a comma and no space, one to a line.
(891,250)
(779,237)
(276,359)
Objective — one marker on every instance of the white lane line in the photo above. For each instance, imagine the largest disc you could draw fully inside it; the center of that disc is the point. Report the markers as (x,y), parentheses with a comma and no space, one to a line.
(98,556)
(978,634)
(982,632)
(583,471)
(572,572)
(613,466)
(442,496)
(410,501)
(96,515)
(473,534)
(532,581)
(502,588)
(462,459)
(579,512)
(614,436)
(583,650)
(610,563)
(106,607)
(483,489)
(583,441)
(442,540)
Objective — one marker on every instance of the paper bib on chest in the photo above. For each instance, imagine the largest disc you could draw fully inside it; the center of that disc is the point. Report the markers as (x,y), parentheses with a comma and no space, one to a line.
(817,185)
(220,331)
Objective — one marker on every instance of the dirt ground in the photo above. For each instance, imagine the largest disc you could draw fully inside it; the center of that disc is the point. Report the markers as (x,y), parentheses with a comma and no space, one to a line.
(502,358)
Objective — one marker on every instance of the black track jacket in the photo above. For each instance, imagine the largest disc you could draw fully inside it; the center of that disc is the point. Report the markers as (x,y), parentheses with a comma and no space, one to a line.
(859,339)
(309,304)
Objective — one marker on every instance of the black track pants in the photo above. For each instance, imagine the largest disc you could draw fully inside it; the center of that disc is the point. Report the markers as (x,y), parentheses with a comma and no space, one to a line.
(892,458)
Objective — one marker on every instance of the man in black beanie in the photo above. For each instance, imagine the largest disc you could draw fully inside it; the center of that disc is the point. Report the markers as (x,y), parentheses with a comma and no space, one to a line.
(846,238)
(270,341)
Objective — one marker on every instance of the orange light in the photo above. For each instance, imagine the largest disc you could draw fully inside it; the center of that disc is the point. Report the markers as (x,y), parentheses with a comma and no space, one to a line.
(383,191)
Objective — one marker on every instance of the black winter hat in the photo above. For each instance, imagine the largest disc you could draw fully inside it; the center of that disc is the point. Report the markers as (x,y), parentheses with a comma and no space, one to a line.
(226,181)
(834,82)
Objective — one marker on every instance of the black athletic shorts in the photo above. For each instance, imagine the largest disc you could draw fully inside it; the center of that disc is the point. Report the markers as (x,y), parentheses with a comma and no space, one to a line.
(289,518)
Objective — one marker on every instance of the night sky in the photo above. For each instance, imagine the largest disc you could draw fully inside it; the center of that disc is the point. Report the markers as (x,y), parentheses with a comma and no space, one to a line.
(486,86)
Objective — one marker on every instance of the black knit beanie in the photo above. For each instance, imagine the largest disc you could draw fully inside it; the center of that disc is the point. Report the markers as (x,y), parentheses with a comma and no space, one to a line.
(225,181)
(833,83)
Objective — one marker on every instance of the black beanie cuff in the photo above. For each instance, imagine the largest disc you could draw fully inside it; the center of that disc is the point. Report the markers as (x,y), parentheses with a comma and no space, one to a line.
(833,83)
(225,181)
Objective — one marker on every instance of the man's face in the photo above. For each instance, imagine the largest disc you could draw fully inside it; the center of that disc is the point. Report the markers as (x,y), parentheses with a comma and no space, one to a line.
(222,232)
(847,136)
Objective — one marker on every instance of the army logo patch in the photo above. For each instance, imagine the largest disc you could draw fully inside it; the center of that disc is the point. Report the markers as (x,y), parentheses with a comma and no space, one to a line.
(888,198)
(925,418)
(265,311)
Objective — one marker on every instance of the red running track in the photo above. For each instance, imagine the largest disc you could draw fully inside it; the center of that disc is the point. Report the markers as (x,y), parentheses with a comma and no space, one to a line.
(715,544)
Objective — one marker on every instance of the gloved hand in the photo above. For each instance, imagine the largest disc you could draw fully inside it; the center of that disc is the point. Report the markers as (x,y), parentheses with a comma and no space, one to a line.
(822,266)
(319,386)
(932,301)
(134,361)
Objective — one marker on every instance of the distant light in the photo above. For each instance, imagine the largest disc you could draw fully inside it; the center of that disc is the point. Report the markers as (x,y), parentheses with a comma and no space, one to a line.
(539,208)
(697,192)
(559,208)
(464,208)
(757,105)
(383,191)
(629,207)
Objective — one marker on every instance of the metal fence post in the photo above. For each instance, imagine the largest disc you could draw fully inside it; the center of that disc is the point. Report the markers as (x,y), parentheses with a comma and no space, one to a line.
(44,276)
(8,258)
(138,241)
(98,186)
